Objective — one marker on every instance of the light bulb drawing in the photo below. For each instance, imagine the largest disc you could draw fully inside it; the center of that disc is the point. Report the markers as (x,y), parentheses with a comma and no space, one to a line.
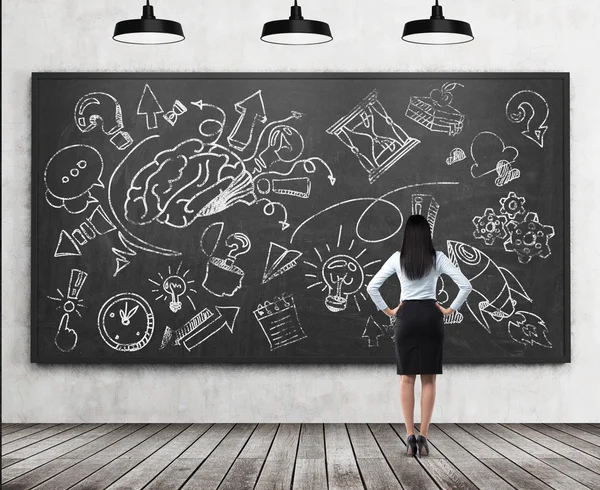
(342,274)
(285,144)
(174,287)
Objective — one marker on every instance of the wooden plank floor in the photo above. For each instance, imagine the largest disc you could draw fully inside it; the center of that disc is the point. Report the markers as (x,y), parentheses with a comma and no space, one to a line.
(298,457)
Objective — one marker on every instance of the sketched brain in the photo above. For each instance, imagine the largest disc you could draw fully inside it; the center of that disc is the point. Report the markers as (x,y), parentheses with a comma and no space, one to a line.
(187,182)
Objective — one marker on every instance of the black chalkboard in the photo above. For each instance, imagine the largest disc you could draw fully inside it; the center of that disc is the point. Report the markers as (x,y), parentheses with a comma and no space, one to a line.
(239,217)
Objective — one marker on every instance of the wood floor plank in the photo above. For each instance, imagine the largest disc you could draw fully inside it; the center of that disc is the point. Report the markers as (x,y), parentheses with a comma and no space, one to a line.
(575,471)
(123,464)
(279,466)
(527,445)
(48,432)
(10,428)
(377,475)
(6,462)
(363,442)
(260,442)
(482,476)
(581,445)
(558,447)
(342,469)
(579,433)
(514,474)
(470,443)
(208,442)
(312,442)
(242,475)
(27,430)
(588,428)
(41,474)
(552,477)
(406,468)
(150,467)
(132,434)
(41,459)
(310,474)
(213,470)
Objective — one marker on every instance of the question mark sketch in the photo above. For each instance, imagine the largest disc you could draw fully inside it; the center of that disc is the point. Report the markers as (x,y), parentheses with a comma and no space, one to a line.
(103,110)
(70,175)
(223,277)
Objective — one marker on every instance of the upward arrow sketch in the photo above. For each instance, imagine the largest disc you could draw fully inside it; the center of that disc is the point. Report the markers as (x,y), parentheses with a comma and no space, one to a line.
(251,109)
(149,107)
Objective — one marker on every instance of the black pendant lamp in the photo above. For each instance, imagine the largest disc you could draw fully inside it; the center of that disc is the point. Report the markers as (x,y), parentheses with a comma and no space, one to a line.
(296,30)
(148,29)
(437,29)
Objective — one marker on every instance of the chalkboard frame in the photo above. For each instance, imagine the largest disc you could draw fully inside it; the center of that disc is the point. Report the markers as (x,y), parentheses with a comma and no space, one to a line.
(564,76)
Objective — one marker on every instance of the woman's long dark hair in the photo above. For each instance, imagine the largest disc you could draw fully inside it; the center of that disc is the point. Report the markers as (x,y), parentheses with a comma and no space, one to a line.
(417,256)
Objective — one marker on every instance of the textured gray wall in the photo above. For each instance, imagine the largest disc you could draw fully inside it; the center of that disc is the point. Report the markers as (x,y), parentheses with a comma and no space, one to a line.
(75,35)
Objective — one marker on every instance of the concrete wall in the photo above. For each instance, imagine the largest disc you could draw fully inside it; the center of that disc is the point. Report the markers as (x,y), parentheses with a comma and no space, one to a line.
(75,35)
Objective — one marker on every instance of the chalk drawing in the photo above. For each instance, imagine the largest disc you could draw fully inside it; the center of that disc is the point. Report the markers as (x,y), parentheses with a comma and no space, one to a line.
(251,111)
(490,227)
(512,206)
(372,332)
(491,155)
(529,238)
(279,260)
(149,107)
(223,277)
(284,145)
(211,129)
(126,322)
(529,329)
(173,287)
(456,155)
(435,112)
(360,131)
(420,202)
(494,287)
(172,116)
(99,109)
(279,321)
(529,103)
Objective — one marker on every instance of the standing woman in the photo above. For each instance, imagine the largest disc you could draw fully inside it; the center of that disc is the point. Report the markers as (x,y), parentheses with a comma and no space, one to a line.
(419,325)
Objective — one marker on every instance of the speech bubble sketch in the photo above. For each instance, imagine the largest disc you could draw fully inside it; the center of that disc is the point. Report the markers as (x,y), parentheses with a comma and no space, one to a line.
(70,175)
(99,109)
(529,103)
(490,154)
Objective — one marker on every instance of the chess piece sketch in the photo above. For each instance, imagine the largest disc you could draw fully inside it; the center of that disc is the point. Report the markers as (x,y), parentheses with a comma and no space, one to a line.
(150,107)
(174,287)
(373,137)
(341,274)
(98,223)
(279,321)
(66,337)
(70,175)
(172,116)
(531,105)
(529,238)
(490,155)
(284,145)
(494,287)
(201,327)
(279,260)
(210,128)
(490,227)
(420,202)
(372,332)
(187,182)
(529,329)
(99,109)
(223,277)
(251,111)
(126,322)
(435,112)
(456,155)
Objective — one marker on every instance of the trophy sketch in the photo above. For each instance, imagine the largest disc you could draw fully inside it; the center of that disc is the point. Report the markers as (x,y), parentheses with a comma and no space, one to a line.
(373,136)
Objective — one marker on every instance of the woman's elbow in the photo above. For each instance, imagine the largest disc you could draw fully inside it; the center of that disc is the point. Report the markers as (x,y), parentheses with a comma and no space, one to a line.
(467,288)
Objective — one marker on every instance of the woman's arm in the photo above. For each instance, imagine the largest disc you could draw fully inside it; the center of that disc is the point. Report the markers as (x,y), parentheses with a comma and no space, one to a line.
(446,266)
(378,279)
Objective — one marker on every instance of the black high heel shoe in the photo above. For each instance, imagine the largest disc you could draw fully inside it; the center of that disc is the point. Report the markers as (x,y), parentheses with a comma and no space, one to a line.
(411,447)
(422,446)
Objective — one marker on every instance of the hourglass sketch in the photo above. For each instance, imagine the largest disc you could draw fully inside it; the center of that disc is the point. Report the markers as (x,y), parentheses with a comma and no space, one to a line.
(373,136)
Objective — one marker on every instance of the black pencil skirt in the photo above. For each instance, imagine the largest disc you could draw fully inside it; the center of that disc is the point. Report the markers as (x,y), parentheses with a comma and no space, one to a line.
(419,337)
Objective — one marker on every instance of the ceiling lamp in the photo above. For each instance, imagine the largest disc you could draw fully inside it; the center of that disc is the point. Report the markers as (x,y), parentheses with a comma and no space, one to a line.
(296,30)
(148,29)
(437,29)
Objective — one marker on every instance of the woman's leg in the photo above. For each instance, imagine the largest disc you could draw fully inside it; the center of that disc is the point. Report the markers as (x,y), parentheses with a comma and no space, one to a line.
(407,400)
(427,401)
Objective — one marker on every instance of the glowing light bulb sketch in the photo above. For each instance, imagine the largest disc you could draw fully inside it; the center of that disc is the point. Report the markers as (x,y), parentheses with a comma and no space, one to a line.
(173,288)
(285,145)
(342,275)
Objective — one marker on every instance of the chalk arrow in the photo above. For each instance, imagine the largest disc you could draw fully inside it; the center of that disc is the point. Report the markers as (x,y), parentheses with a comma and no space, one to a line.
(251,110)
(372,332)
(149,107)
(225,317)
